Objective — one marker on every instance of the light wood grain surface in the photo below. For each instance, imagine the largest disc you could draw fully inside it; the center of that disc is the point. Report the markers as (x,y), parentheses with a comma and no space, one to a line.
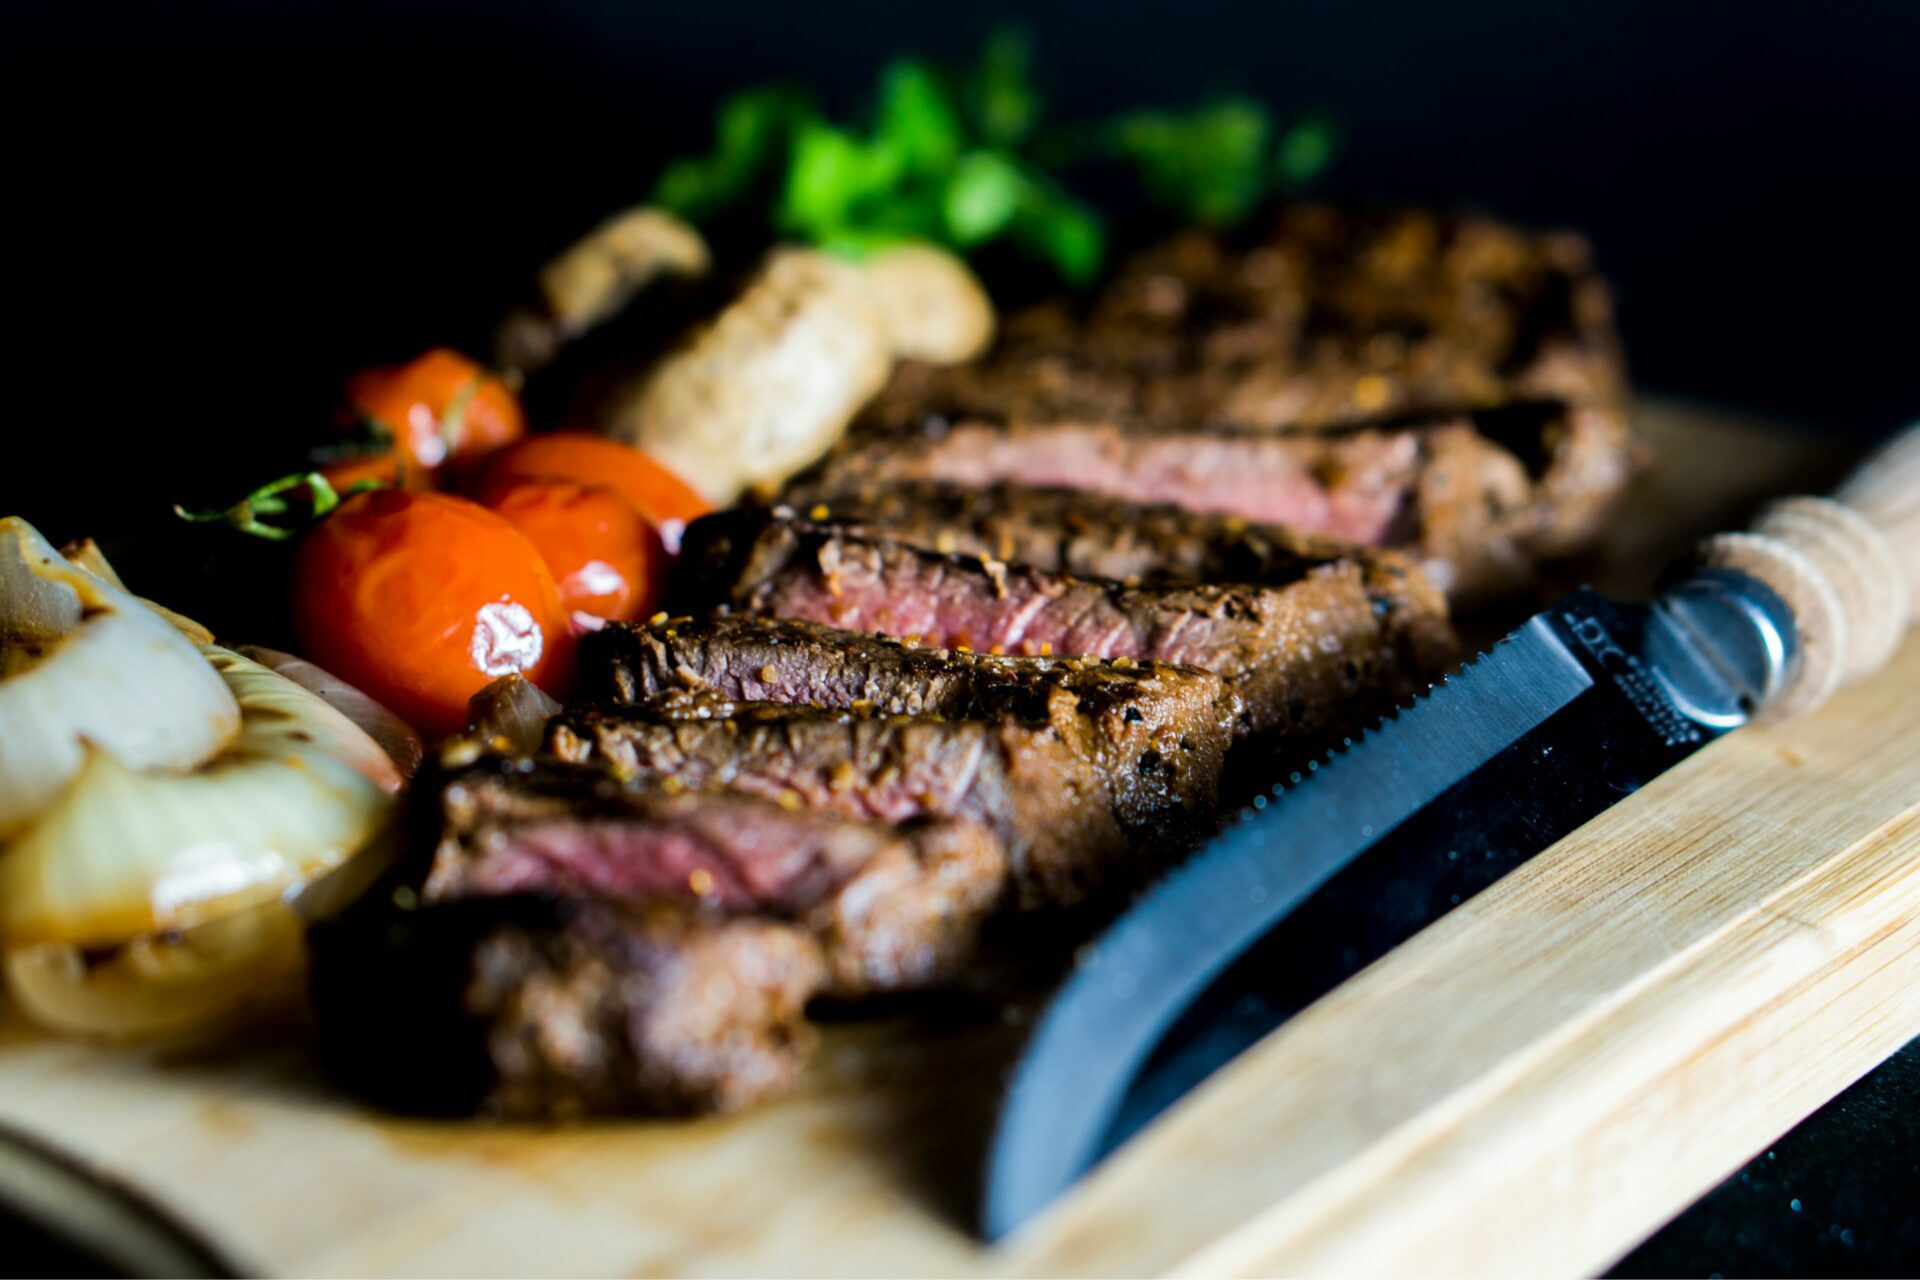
(1530,1086)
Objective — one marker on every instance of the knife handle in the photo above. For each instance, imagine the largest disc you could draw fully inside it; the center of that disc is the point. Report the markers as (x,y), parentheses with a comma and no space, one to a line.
(1847,567)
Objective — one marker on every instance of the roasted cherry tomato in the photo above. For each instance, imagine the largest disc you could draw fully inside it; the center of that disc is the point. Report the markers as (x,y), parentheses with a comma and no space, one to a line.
(607,559)
(442,410)
(659,495)
(420,599)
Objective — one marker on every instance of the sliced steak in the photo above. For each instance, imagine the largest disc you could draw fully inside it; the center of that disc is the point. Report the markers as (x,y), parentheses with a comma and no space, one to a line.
(896,906)
(1049,802)
(566,944)
(1477,498)
(1303,656)
(1439,382)
(1126,760)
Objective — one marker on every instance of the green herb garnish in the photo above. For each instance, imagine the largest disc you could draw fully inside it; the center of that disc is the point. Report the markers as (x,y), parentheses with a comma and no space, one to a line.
(963,159)
(249,514)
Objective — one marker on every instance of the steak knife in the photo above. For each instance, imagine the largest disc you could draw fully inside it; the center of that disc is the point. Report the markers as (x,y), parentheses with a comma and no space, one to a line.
(1356,852)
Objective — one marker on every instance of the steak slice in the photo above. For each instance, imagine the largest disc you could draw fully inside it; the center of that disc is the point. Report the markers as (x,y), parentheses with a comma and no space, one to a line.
(1303,656)
(1096,745)
(790,660)
(1086,534)
(1477,498)
(895,907)
(565,944)
(1049,803)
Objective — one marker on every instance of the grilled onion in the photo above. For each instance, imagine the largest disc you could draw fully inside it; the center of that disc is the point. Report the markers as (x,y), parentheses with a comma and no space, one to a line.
(126,853)
(168,984)
(395,736)
(88,670)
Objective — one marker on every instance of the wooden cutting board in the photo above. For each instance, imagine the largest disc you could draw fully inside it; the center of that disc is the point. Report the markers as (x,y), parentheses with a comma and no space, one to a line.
(1530,1086)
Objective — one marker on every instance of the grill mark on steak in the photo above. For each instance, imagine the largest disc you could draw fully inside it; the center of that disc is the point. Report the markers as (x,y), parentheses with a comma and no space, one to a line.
(1298,654)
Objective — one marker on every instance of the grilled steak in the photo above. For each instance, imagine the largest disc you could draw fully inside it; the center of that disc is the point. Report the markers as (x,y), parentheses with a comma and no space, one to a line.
(1047,800)
(1303,655)
(1311,321)
(1109,770)
(1441,383)
(543,1008)
(571,944)
(511,826)
(1477,498)
(1081,533)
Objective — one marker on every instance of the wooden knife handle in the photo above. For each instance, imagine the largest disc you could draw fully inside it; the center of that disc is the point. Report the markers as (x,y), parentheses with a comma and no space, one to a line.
(1848,567)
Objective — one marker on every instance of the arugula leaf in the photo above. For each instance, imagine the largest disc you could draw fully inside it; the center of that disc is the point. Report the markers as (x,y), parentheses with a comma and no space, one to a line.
(917,118)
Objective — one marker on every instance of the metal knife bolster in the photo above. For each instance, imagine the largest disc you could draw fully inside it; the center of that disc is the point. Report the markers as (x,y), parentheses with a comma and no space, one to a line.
(1714,648)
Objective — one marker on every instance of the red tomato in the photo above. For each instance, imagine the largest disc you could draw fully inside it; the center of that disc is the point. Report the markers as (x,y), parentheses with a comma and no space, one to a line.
(607,559)
(420,599)
(659,495)
(441,409)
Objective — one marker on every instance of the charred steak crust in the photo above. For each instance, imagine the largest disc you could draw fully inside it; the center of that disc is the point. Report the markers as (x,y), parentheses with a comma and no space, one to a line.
(1074,531)
(1314,319)
(1440,382)
(1110,770)
(564,944)
(1299,654)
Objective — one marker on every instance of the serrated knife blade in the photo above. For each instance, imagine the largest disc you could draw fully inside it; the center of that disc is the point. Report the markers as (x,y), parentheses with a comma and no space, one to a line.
(1355,853)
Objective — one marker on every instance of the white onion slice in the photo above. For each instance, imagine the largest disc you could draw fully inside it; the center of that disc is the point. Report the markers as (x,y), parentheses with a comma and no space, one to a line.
(87,668)
(395,736)
(200,979)
(124,853)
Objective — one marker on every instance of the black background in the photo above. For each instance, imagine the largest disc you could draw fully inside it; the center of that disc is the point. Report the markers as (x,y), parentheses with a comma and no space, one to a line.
(212,209)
